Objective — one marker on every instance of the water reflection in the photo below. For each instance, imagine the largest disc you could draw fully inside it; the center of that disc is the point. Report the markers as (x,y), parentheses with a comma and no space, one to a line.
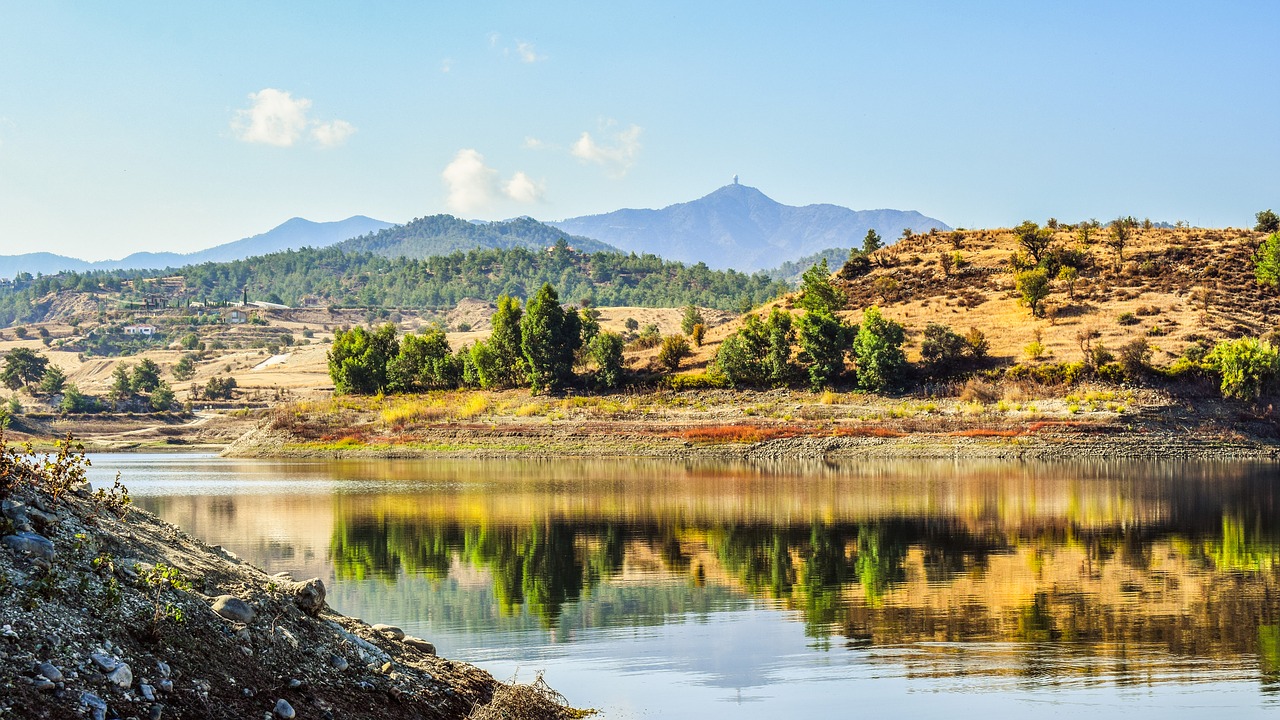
(1121,573)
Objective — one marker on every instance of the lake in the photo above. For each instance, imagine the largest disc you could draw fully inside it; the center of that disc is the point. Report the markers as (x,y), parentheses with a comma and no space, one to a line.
(695,590)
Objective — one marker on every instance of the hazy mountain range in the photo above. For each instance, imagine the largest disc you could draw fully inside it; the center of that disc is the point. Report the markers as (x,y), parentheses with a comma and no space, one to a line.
(740,227)
(735,227)
(290,235)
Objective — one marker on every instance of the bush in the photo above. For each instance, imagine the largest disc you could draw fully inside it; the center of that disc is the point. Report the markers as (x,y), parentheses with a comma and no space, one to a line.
(1135,358)
(692,316)
(979,391)
(1268,221)
(1266,261)
(697,381)
(1127,318)
(759,353)
(674,350)
(1248,367)
(942,350)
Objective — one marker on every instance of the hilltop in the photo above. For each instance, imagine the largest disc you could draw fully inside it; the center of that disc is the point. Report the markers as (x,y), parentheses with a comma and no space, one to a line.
(740,227)
(446,234)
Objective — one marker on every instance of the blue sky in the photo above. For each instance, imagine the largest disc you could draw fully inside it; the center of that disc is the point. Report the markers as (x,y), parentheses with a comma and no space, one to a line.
(177,126)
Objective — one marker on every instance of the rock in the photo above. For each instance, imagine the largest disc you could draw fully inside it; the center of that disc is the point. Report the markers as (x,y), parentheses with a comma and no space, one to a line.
(420,645)
(148,692)
(282,634)
(163,668)
(233,609)
(31,545)
(295,683)
(96,705)
(42,518)
(248,651)
(166,686)
(284,709)
(390,631)
(337,662)
(44,684)
(49,671)
(156,712)
(17,514)
(243,635)
(122,676)
(82,489)
(7,631)
(386,668)
(105,663)
(308,595)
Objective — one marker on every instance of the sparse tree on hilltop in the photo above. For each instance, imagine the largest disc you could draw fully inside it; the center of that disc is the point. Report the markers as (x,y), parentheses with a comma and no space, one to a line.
(1033,287)
(1268,221)
(871,242)
(1034,239)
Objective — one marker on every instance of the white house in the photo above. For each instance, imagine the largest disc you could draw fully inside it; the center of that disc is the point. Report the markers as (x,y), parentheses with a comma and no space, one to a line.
(139,329)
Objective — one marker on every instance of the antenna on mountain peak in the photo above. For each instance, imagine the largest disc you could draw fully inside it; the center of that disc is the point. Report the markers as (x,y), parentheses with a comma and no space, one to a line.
(735,179)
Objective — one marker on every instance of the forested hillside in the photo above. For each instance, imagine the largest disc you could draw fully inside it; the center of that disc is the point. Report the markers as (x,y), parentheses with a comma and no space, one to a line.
(330,276)
(444,234)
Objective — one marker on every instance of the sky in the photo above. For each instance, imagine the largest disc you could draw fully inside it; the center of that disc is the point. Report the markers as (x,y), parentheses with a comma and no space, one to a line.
(131,126)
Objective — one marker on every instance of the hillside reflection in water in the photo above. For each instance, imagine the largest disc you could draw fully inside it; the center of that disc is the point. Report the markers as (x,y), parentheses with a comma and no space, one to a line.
(953,576)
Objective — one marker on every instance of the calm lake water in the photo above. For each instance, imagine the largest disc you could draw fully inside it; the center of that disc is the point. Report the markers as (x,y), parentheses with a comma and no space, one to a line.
(687,590)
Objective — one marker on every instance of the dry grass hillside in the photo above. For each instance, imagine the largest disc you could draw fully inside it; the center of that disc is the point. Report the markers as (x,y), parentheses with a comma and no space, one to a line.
(1175,287)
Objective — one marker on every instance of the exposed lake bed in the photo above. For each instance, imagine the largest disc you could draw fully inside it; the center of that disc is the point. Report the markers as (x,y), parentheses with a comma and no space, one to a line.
(662,589)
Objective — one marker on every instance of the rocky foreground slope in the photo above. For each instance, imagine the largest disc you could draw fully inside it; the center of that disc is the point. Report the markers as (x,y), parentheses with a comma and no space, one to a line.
(108,612)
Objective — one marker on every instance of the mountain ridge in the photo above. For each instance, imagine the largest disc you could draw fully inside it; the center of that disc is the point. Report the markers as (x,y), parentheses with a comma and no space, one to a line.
(294,233)
(739,226)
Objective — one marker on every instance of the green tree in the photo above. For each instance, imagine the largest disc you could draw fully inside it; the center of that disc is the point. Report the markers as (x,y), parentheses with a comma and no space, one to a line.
(824,337)
(424,361)
(1033,287)
(871,242)
(692,316)
(549,337)
(484,367)
(74,401)
(1266,261)
(1068,276)
(1268,221)
(1247,366)
(506,343)
(759,353)
(23,367)
(605,350)
(145,377)
(53,380)
(1034,239)
(184,369)
(877,348)
(673,352)
(162,397)
(358,359)
(121,389)
(1119,234)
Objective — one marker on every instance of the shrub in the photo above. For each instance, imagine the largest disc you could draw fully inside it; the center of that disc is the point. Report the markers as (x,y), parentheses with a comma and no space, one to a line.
(977,342)
(674,350)
(697,381)
(979,391)
(1135,358)
(759,353)
(1248,366)
(692,316)
(942,349)
(1127,318)
(699,332)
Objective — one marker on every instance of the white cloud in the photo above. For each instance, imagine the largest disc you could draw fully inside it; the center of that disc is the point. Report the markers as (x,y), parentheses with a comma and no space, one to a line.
(475,187)
(617,155)
(533,143)
(471,183)
(527,53)
(523,189)
(332,134)
(446,65)
(275,117)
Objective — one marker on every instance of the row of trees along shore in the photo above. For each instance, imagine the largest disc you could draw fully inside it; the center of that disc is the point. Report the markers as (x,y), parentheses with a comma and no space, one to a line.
(541,344)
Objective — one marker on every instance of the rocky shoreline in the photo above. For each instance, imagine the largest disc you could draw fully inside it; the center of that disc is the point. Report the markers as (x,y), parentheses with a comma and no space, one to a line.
(109,612)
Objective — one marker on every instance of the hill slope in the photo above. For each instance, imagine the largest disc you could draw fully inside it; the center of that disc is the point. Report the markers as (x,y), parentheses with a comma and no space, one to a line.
(740,227)
(446,234)
(290,235)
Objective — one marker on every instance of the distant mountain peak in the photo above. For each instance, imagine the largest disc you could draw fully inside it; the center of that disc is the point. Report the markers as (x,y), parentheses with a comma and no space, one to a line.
(738,226)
